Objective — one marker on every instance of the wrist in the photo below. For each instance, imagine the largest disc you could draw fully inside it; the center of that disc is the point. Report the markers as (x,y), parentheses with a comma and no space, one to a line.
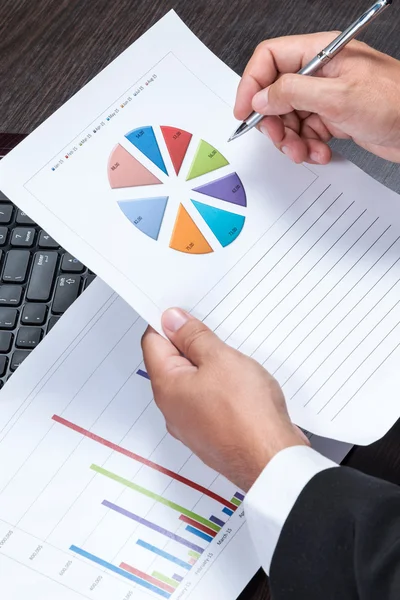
(259,455)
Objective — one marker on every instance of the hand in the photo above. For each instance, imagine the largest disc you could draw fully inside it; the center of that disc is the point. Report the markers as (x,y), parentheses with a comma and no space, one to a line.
(221,404)
(355,96)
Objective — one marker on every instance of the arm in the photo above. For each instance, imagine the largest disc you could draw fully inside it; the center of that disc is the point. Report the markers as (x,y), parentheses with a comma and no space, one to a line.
(355,96)
(340,540)
(300,509)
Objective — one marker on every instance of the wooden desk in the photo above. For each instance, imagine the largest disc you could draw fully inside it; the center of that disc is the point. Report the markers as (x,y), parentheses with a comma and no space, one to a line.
(51,48)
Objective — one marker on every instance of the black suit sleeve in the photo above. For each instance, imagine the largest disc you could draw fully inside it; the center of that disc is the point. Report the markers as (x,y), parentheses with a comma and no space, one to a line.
(341,541)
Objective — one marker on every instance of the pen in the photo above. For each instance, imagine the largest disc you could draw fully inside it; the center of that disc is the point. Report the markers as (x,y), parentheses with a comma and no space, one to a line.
(323,57)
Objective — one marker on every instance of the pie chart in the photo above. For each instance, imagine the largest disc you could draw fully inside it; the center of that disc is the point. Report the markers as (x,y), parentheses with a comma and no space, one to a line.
(211,219)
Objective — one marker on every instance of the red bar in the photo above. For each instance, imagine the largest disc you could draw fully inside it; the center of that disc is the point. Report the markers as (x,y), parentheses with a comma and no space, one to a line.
(200,526)
(145,461)
(149,578)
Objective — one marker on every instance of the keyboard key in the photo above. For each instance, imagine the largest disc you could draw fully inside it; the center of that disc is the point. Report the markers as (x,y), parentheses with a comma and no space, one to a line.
(3,235)
(18,358)
(41,280)
(8,317)
(5,340)
(51,323)
(10,295)
(23,219)
(89,280)
(3,365)
(28,337)
(67,290)
(16,266)
(23,236)
(70,264)
(6,211)
(33,314)
(46,241)
(3,197)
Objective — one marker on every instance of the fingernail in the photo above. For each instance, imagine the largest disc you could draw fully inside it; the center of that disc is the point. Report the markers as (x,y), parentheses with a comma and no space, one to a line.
(315,156)
(173,319)
(287,152)
(264,130)
(260,100)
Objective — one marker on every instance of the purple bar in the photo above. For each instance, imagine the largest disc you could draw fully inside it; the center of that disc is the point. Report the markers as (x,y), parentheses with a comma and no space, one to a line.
(153,526)
(239,496)
(142,374)
(217,521)
(177,577)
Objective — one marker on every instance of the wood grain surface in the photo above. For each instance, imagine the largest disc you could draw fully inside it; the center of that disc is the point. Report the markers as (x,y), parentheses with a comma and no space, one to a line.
(50,48)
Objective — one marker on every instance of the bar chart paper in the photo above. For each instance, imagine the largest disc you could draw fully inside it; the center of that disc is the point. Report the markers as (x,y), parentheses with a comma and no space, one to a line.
(97,500)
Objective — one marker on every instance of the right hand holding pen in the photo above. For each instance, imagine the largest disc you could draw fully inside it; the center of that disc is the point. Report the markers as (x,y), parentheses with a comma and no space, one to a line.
(355,96)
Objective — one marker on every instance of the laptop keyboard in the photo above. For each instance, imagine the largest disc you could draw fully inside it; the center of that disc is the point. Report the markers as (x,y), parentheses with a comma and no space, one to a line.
(39,281)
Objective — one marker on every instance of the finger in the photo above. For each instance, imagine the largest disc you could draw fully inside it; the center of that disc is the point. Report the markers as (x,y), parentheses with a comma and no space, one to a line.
(247,89)
(323,96)
(160,356)
(280,55)
(317,137)
(196,342)
(293,146)
(273,128)
(318,152)
(314,127)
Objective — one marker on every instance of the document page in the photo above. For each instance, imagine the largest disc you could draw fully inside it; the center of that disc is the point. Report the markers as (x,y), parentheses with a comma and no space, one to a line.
(295,265)
(97,500)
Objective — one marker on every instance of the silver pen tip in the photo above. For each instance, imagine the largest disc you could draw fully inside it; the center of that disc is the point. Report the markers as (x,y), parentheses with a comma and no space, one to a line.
(239,131)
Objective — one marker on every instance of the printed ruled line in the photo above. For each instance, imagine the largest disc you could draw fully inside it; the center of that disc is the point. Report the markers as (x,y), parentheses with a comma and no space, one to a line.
(276,264)
(330,291)
(288,273)
(366,381)
(352,352)
(351,330)
(325,316)
(360,365)
(312,289)
(265,254)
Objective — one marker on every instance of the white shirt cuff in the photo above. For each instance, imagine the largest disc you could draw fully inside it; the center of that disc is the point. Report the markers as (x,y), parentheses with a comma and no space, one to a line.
(269,502)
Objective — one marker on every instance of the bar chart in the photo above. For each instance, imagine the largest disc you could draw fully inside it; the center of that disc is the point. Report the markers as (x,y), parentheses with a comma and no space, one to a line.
(205,529)
(95,494)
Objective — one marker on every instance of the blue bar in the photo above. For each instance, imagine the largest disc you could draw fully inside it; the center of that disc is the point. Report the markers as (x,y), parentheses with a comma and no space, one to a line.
(173,559)
(227,511)
(239,496)
(200,534)
(119,571)
(217,521)
(142,374)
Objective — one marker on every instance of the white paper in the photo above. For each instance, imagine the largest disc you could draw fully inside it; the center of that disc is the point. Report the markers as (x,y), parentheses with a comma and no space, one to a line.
(310,286)
(85,372)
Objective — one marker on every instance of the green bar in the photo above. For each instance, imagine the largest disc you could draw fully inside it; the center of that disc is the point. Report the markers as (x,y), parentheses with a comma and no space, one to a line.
(194,554)
(235,501)
(165,579)
(156,497)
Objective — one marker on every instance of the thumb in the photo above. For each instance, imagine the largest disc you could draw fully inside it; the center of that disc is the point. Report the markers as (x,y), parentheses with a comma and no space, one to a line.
(192,338)
(321,95)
